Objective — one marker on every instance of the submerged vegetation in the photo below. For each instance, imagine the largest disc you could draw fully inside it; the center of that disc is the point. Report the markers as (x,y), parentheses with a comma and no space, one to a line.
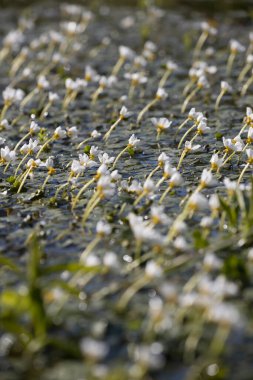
(126,194)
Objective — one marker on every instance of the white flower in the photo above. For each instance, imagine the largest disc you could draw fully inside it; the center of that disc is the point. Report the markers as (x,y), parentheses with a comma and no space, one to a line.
(168,170)
(163,159)
(236,47)
(214,203)
(4,124)
(70,84)
(149,45)
(212,262)
(158,215)
(12,96)
(188,146)
(231,186)
(105,186)
(176,179)
(95,134)
(76,167)
(124,114)
(104,158)
(161,94)
(181,244)
(111,260)
(161,124)
(135,187)
(49,164)
(80,84)
(225,86)
(179,226)
(42,83)
(90,74)
(249,153)
(93,349)
(7,155)
(115,176)
(207,28)
(31,147)
(139,61)
(206,222)
(91,261)
(53,97)
(249,115)
(142,232)
(136,78)
(59,133)
(171,66)
(133,141)
(94,151)
(34,127)
(153,270)
(193,115)
(103,228)
(14,39)
(126,53)
(250,136)
(225,314)
(85,161)
(207,179)
(72,132)
(216,162)
(249,59)
(2,140)
(102,170)
(202,82)
(107,81)
(148,186)
(202,127)
(72,28)
(32,164)
(197,201)
(235,145)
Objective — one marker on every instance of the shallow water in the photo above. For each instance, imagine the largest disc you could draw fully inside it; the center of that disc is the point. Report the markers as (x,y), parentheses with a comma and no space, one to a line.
(61,234)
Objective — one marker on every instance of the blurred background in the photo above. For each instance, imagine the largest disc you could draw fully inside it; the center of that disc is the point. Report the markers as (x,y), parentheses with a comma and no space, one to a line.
(201,5)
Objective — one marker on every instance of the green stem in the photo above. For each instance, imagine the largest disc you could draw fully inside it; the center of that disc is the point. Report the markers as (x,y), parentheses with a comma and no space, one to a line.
(131,291)
(189,97)
(81,191)
(24,179)
(164,79)
(118,156)
(244,71)
(243,171)
(20,141)
(218,100)
(145,109)
(4,110)
(21,162)
(153,172)
(89,248)
(107,135)
(139,198)
(200,43)
(230,62)
(90,209)
(184,153)
(246,85)
(45,182)
(44,145)
(185,135)
(183,124)
(164,194)
(118,66)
